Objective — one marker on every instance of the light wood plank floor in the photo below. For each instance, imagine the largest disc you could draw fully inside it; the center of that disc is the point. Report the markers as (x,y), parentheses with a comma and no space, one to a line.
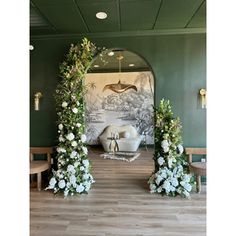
(119,203)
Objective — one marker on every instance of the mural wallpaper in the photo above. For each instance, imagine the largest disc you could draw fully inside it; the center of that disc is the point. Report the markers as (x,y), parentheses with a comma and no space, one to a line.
(106,107)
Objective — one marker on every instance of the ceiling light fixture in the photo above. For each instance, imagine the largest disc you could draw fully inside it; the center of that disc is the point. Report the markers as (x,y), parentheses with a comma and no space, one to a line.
(101,15)
(131,64)
(96,66)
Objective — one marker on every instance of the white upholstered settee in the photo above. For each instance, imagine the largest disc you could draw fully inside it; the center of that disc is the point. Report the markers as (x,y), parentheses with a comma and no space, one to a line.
(128,141)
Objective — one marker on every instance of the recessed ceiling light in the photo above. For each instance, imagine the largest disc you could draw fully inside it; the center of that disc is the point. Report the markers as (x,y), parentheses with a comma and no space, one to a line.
(101,15)
(111,53)
(131,64)
(96,66)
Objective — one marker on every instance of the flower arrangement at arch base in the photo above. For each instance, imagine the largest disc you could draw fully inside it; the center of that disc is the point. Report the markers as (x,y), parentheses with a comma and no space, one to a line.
(171,176)
(73,173)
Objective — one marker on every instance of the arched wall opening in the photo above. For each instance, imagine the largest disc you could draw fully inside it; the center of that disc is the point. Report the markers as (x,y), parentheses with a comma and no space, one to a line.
(133,105)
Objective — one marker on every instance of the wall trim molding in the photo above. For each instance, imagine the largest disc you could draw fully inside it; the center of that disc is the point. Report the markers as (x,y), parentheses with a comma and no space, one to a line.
(121,34)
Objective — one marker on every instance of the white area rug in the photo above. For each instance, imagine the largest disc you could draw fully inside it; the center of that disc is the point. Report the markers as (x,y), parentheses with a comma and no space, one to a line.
(123,156)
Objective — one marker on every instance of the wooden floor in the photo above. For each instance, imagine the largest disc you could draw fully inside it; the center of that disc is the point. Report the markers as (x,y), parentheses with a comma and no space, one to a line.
(119,203)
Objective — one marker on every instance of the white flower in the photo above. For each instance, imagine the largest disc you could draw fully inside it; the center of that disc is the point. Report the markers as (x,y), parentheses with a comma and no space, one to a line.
(52,183)
(70,136)
(159,179)
(66,192)
(73,154)
(60,126)
(186,178)
(75,110)
(83,138)
(169,162)
(87,185)
(174,182)
(164,144)
(188,187)
(61,139)
(166,149)
(78,103)
(161,161)
(159,189)
(59,149)
(85,176)
(74,144)
(180,148)
(68,184)
(166,186)
(85,163)
(172,188)
(64,104)
(186,193)
(78,125)
(85,150)
(153,187)
(71,168)
(80,188)
(81,168)
(72,179)
(163,174)
(62,183)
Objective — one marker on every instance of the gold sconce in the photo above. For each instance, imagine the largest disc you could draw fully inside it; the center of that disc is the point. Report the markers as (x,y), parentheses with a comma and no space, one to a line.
(202,93)
(37,96)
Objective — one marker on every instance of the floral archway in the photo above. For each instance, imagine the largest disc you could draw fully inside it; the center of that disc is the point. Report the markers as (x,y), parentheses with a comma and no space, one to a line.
(73,172)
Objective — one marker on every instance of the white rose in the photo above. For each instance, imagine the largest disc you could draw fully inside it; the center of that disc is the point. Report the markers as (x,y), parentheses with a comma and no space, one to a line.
(72,179)
(87,185)
(60,126)
(174,182)
(166,186)
(83,138)
(188,187)
(81,168)
(78,103)
(52,183)
(64,104)
(73,154)
(166,149)
(62,183)
(164,144)
(70,136)
(80,188)
(75,110)
(74,144)
(85,176)
(85,163)
(161,161)
(71,168)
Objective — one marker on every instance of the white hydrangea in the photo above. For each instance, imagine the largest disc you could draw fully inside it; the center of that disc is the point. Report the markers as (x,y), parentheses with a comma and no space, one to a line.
(64,104)
(83,138)
(70,136)
(160,161)
(60,126)
(79,188)
(74,144)
(75,110)
(62,183)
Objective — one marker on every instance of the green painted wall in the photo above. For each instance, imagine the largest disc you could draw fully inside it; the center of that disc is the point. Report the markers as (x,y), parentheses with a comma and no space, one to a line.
(178,63)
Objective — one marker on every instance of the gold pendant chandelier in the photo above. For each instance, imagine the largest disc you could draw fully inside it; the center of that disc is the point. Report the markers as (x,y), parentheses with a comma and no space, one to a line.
(119,87)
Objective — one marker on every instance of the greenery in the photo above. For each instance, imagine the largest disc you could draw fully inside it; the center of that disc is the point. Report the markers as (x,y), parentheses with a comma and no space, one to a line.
(171,176)
(73,173)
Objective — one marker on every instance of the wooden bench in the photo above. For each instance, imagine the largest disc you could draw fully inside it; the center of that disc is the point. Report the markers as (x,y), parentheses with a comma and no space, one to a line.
(198,168)
(38,166)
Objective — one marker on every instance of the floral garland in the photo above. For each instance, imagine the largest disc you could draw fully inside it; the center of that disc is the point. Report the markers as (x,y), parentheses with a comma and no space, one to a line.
(73,174)
(171,176)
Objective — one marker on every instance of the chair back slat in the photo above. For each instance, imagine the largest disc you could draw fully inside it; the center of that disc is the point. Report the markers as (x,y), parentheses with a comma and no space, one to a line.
(196,151)
(41,150)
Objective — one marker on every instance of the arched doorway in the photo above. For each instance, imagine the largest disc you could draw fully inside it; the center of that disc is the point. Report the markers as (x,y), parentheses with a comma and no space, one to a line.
(134,105)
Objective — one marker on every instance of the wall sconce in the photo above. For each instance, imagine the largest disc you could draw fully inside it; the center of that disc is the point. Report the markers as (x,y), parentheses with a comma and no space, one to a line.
(202,93)
(37,96)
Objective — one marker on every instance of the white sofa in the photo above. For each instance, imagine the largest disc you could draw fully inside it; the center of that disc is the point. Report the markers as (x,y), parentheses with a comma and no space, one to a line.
(128,141)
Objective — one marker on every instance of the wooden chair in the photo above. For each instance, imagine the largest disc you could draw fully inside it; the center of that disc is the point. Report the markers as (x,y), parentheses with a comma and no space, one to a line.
(38,166)
(198,168)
